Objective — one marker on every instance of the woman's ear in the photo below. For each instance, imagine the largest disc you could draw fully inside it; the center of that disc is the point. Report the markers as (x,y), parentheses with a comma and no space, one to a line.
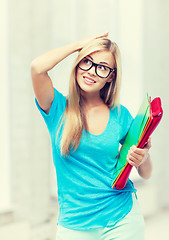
(109,80)
(112,77)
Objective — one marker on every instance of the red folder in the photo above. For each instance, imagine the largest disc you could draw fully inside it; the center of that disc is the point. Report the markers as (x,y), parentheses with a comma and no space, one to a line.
(155,117)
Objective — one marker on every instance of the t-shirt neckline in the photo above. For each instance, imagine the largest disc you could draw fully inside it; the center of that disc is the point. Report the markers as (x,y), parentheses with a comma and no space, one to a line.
(103,132)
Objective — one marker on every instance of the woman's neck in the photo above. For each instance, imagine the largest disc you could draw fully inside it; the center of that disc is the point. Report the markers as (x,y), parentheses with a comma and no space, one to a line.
(91,100)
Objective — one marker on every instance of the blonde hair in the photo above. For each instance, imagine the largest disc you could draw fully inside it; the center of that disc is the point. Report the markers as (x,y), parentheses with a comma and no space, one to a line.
(74,116)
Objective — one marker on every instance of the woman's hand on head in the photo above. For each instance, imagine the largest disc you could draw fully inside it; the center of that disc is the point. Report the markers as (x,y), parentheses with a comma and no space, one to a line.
(137,156)
(86,40)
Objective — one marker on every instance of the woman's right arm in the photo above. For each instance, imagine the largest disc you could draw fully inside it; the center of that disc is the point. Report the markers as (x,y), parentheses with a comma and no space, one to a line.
(40,66)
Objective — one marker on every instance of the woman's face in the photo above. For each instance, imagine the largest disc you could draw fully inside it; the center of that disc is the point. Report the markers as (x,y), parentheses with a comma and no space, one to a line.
(88,80)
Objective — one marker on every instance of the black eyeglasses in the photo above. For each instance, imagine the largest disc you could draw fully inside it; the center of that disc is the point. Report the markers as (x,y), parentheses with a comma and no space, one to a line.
(101,70)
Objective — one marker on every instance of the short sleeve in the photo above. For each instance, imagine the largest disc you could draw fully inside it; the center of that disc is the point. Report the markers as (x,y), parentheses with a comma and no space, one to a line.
(126,120)
(56,111)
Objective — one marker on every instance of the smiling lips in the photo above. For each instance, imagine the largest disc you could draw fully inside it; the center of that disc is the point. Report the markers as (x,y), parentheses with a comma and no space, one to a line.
(89,81)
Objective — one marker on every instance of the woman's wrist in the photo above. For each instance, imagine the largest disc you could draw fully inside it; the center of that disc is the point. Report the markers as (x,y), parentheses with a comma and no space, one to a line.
(77,45)
(145,169)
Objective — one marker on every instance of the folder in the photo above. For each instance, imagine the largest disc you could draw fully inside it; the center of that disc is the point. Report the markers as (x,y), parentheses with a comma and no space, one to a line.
(145,122)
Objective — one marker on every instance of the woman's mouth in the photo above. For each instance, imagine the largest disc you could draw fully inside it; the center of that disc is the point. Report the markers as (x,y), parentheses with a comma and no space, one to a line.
(89,81)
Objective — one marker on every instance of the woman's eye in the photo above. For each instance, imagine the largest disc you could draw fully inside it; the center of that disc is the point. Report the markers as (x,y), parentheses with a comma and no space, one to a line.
(102,68)
(86,61)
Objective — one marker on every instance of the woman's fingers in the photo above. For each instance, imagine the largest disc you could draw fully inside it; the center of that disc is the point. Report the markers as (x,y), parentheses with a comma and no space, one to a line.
(88,39)
(148,146)
(136,156)
(105,34)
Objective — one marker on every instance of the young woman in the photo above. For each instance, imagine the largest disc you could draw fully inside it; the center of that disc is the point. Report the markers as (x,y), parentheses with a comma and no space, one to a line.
(86,129)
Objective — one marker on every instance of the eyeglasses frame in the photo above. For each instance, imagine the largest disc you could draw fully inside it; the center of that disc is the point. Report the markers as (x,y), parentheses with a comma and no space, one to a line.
(96,65)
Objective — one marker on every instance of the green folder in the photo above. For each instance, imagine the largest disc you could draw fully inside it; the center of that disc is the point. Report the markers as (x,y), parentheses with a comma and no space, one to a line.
(134,134)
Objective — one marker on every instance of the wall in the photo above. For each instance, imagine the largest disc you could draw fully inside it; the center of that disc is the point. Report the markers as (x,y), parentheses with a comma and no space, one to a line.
(156,75)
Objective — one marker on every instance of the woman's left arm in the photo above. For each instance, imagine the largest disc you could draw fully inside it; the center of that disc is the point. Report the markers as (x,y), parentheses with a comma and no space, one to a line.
(140,158)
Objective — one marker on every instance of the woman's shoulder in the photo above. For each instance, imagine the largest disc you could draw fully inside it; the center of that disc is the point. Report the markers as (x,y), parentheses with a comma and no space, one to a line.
(120,111)
(59,95)
(59,102)
(57,107)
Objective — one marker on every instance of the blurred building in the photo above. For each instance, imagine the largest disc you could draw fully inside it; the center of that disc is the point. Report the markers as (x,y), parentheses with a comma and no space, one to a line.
(28,194)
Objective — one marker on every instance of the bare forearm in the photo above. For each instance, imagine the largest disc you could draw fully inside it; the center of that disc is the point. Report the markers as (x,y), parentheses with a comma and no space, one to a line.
(145,169)
(48,60)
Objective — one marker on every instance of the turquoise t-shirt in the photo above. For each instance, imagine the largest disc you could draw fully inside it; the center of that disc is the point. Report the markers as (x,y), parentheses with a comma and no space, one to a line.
(84,178)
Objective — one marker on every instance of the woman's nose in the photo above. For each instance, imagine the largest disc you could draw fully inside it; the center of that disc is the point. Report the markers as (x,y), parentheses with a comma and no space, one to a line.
(92,70)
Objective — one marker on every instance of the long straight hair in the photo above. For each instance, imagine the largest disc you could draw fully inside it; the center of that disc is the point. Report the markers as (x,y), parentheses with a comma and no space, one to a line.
(75,120)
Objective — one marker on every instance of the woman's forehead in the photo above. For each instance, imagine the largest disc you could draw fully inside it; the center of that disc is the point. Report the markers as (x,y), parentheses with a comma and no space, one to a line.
(102,56)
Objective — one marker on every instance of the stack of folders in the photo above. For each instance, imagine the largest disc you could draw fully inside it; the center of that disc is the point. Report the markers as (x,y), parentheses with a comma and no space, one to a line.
(145,122)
